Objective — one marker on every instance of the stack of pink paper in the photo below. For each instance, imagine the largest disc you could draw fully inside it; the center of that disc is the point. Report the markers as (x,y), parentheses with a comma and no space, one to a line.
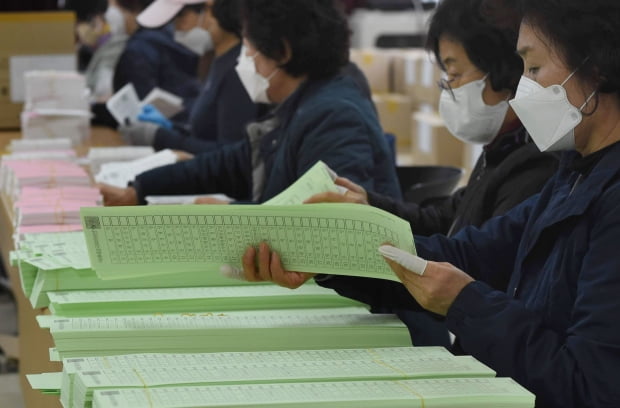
(47,173)
(61,205)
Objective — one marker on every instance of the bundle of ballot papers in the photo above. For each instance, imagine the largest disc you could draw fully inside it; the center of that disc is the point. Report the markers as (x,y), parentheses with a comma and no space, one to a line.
(56,106)
(118,174)
(370,377)
(98,156)
(270,330)
(58,90)
(39,145)
(53,262)
(58,205)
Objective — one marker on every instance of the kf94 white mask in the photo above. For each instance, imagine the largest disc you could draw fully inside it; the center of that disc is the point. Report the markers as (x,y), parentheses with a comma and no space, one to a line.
(466,115)
(547,114)
(254,83)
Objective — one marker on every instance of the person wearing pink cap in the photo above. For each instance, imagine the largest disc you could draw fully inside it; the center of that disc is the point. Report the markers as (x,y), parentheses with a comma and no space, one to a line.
(223,108)
(152,57)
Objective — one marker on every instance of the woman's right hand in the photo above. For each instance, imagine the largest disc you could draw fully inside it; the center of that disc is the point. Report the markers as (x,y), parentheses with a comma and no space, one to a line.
(116,196)
(355,194)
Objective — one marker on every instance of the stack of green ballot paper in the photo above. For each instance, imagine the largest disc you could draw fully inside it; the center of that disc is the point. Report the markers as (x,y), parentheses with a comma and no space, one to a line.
(86,382)
(229,331)
(179,300)
(341,239)
(72,366)
(422,393)
(59,262)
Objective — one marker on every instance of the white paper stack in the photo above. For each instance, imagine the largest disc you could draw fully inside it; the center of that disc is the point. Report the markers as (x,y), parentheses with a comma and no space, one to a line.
(63,90)
(98,156)
(120,173)
(39,145)
(56,106)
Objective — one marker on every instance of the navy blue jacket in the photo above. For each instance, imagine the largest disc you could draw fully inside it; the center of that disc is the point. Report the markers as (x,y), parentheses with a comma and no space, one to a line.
(328,120)
(153,59)
(219,115)
(556,329)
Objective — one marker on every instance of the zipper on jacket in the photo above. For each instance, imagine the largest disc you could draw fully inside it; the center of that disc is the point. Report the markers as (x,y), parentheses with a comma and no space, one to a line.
(576,184)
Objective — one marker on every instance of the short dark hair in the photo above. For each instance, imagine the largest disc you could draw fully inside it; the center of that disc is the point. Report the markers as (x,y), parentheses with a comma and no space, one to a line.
(486,33)
(134,6)
(196,8)
(228,15)
(86,10)
(586,34)
(316,31)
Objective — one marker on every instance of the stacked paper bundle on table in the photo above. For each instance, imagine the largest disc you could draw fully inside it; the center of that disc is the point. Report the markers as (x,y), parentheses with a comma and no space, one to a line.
(429,393)
(50,382)
(60,205)
(43,173)
(56,106)
(77,386)
(51,262)
(39,145)
(270,330)
(51,123)
(55,90)
(35,149)
(201,299)
(98,156)
(120,173)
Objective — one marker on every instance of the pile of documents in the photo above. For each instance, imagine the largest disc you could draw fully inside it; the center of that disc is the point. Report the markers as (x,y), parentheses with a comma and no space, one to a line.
(59,205)
(270,330)
(118,174)
(187,300)
(51,262)
(428,376)
(56,106)
(98,156)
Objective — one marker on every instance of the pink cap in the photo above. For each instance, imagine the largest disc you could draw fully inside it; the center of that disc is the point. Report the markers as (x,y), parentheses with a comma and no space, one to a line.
(162,11)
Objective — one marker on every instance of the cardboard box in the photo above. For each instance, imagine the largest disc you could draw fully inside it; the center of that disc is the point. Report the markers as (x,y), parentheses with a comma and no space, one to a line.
(376,64)
(30,40)
(416,74)
(433,144)
(395,117)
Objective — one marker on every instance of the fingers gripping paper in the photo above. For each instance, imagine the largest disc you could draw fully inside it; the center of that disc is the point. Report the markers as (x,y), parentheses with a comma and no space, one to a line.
(342,239)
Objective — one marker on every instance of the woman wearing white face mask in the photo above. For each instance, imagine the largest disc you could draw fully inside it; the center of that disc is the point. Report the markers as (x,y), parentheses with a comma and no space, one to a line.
(555,329)
(318,114)
(482,72)
(152,58)
(223,108)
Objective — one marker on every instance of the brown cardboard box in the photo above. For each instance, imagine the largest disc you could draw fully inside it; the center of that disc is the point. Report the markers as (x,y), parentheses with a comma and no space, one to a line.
(395,117)
(433,144)
(30,34)
(416,74)
(376,64)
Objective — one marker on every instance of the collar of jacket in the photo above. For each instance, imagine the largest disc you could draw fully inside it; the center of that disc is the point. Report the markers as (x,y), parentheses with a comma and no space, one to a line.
(496,151)
(573,193)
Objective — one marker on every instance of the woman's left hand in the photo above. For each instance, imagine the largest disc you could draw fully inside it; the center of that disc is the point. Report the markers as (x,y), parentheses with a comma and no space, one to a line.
(437,288)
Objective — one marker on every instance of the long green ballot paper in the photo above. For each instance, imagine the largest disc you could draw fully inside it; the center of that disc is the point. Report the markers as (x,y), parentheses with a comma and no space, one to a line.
(71,366)
(127,242)
(225,332)
(178,300)
(426,393)
(86,382)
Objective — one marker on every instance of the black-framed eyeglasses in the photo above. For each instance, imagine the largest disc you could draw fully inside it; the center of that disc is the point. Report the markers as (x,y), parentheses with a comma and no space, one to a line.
(444,85)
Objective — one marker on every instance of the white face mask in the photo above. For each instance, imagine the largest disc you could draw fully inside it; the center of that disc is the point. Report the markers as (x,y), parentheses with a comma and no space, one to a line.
(547,114)
(116,20)
(466,115)
(197,39)
(254,83)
